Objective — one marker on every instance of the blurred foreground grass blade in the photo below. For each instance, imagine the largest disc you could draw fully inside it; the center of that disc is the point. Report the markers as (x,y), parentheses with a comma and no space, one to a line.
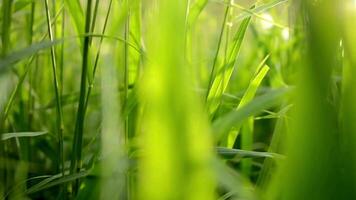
(314,166)
(348,106)
(195,11)
(223,67)
(223,125)
(134,37)
(6,136)
(134,62)
(175,136)
(77,15)
(113,164)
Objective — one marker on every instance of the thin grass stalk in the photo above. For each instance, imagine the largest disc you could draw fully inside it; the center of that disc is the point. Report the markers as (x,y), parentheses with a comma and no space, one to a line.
(5,39)
(126,89)
(126,66)
(6,25)
(97,56)
(59,120)
(76,162)
(61,59)
(30,97)
(95,13)
(212,73)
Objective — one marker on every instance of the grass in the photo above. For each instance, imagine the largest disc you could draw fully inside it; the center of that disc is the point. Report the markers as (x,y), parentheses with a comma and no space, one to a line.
(196,99)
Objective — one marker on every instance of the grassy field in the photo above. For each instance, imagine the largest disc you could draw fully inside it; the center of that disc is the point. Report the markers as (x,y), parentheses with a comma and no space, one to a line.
(178,99)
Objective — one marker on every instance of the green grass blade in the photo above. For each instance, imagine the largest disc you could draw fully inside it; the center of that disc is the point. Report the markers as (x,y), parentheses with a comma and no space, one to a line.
(59,120)
(233,153)
(76,161)
(113,165)
(14,57)
(195,11)
(348,114)
(248,96)
(77,15)
(314,137)
(222,71)
(223,125)
(6,26)
(172,116)
(96,61)
(6,136)
(236,186)
(55,180)
(134,57)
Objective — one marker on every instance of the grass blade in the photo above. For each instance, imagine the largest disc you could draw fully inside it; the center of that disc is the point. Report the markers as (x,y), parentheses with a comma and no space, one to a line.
(59,121)
(222,70)
(17,56)
(79,127)
(6,136)
(6,26)
(232,153)
(77,15)
(248,96)
(172,117)
(223,125)
(195,11)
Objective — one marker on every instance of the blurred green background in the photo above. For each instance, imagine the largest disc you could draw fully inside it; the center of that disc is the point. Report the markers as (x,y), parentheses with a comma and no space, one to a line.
(177,99)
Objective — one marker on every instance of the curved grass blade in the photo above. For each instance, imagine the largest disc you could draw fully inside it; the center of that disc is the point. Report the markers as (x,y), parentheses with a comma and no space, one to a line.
(76,13)
(14,57)
(224,124)
(17,56)
(55,180)
(195,11)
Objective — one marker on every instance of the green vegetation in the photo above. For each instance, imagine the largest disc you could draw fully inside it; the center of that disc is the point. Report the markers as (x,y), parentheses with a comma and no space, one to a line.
(177,99)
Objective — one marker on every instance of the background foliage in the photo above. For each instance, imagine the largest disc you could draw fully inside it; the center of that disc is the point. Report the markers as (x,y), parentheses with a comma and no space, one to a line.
(173,99)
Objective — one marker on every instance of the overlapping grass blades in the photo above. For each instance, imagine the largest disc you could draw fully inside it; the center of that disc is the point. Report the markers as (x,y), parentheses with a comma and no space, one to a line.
(224,64)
